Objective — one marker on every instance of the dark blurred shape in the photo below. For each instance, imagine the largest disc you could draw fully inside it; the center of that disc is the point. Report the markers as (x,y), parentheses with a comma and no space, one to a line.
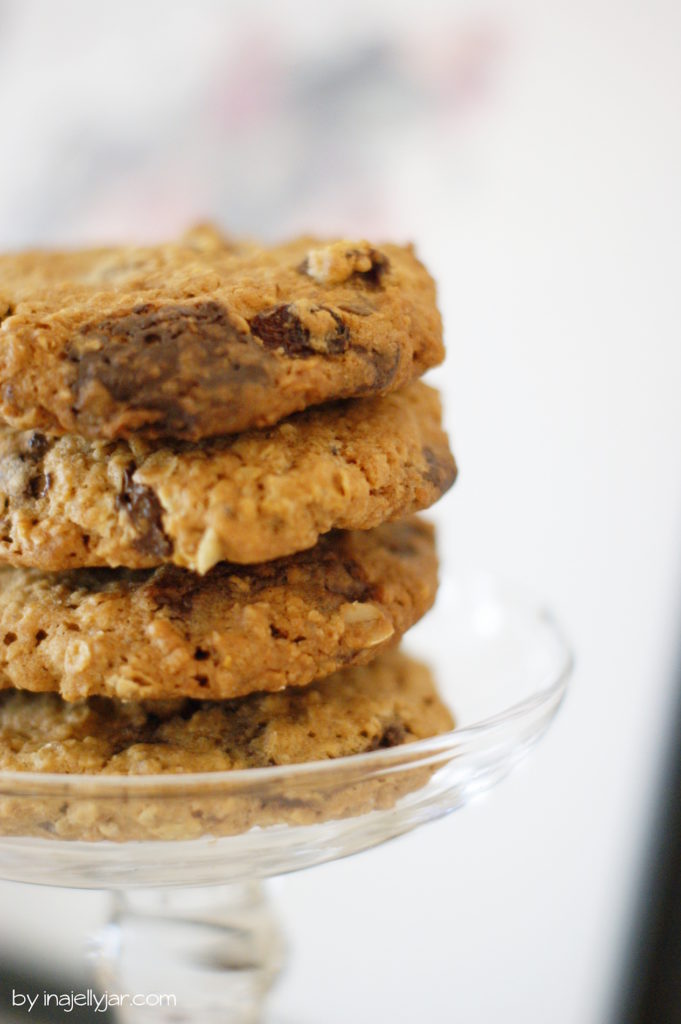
(14,977)
(652,990)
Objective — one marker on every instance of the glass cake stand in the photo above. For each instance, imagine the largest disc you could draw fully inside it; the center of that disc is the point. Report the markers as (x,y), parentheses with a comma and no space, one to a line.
(184,855)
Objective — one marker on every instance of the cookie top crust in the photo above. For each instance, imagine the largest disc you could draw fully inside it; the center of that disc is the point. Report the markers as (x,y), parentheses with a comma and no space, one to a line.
(168,632)
(204,337)
(68,502)
(387,703)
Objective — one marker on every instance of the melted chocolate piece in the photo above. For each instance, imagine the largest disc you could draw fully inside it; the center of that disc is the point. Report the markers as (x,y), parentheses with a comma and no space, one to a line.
(149,358)
(393,735)
(281,328)
(36,446)
(440,473)
(380,265)
(145,512)
(39,485)
(31,449)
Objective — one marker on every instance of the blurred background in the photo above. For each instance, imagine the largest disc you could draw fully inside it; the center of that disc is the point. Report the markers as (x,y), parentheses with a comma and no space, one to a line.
(533,153)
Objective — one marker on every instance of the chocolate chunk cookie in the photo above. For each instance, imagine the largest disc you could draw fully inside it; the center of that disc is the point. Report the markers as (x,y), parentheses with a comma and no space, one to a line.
(68,502)
(169,632)
(389,702)
(203,337)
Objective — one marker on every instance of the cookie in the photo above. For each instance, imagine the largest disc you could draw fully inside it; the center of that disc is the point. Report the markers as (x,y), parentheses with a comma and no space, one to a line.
(203,337)
(69,502)
(168,632)
(392,701)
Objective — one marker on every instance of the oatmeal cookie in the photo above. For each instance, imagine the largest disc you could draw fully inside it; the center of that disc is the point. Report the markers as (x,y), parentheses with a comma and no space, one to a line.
(393,701)
(203,337)
(68,502)
(169,632)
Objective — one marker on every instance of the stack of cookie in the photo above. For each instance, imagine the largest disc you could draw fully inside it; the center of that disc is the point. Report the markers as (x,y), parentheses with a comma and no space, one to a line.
(210,460)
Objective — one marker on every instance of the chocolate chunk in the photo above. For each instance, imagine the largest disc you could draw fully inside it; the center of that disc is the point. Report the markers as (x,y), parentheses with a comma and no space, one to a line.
(393,735)
(386,365)
(36,446)
(280,328)
(380,265)
(38,486)
(22,475)
(441,473)
(145,512)
(148,357)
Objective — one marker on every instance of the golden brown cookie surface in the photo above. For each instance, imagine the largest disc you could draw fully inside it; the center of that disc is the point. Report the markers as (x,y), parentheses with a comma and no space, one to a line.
(203,337)
(70,503)
(389,702)
(168,632)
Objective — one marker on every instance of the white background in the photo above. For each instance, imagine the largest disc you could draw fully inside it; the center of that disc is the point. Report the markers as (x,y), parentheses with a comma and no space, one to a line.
(554,237)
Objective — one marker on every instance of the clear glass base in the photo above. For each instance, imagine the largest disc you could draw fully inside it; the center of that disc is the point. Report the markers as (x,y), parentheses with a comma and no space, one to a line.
(503,668)
(208,955)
